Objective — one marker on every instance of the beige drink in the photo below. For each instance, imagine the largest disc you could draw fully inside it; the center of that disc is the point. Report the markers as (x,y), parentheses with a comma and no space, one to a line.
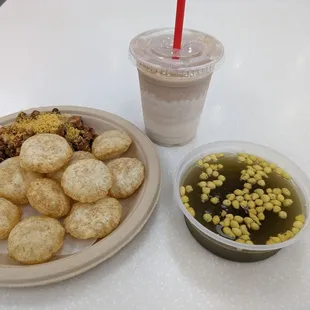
(173,91)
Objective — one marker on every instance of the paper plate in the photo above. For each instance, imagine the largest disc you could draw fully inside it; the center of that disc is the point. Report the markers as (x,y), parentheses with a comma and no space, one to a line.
(136,211)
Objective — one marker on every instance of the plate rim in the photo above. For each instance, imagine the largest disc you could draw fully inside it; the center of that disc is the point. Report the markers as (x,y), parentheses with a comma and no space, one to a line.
(75,264)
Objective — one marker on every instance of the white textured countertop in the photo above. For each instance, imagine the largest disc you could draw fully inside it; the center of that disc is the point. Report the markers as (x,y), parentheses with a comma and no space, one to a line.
(74,52)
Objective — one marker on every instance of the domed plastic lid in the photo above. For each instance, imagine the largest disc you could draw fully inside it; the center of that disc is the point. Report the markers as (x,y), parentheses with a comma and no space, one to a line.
(200,54)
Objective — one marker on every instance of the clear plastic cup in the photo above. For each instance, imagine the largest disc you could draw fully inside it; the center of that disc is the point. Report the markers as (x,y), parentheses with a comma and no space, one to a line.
(173,91)
(224,247)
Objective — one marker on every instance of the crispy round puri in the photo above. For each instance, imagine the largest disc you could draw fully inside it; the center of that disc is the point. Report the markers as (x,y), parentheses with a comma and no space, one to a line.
(79,155)
(87,180)
(14,180)
(48,198)
(45,153)
(35,240)
(9,216)
(93,220)
(111,144)
(127,175)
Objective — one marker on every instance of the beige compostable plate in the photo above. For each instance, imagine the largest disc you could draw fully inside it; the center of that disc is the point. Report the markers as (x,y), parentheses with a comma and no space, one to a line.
(136,209)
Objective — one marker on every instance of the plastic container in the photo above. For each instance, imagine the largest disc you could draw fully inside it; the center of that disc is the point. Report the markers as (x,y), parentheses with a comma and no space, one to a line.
(217,244)
(173,91)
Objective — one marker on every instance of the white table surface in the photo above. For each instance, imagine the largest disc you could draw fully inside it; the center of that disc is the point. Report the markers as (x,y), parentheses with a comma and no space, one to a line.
(55,52)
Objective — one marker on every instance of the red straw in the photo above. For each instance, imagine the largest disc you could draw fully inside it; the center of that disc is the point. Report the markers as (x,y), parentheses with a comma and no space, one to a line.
(178,28)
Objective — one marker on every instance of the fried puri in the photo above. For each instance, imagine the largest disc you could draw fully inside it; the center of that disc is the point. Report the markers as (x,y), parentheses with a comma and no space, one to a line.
(14,180)
(45,153)
(111,144)
(48,198)
(87,180)
(79,155)
(93,220)
(10,215)
(127,175)
(35,240)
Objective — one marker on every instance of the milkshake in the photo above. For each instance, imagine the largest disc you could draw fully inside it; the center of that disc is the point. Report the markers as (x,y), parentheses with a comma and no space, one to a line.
(174,89)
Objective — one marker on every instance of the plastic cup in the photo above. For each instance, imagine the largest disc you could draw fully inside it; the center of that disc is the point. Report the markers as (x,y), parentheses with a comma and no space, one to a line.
(217,244)
(173,91)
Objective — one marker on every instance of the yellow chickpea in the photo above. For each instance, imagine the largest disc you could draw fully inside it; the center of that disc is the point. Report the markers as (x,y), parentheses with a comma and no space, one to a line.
(218,183)
(286,192)
(251,204)
(202,184)
(260,209)
(287,202)
(206,165)
(244,230)
(207,217)
(215,174)
(261,183)
(226,203)
(234,224)
(189,188)
(239,198)
(203,176)
(265,198)
(277,191)
(247,197)
(235,204)
(199,163)
(191,212)
(282,215)
(246,191)
(221,178)
(238,219)
(214,200)
(261,216)
(204,197)
(206,190)
(238,192)
(182,190)
(268,206)
(267,170)
(216,219)
(247,185)
(209,171)
(300,218)
(211,185)
(184,199)
(252,181)
(254,226)
(254,196)
(237,232)
(286,176)
(243,204)
(298,224)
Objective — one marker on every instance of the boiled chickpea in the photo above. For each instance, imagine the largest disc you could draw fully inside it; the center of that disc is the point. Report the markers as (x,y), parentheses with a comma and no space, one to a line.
(287,202)
(189,188)
(182,190)
(282,215)
(214,200)
(207,217)
(191,212)
(235,204)
(261,183)
(206,190)
(216,219)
